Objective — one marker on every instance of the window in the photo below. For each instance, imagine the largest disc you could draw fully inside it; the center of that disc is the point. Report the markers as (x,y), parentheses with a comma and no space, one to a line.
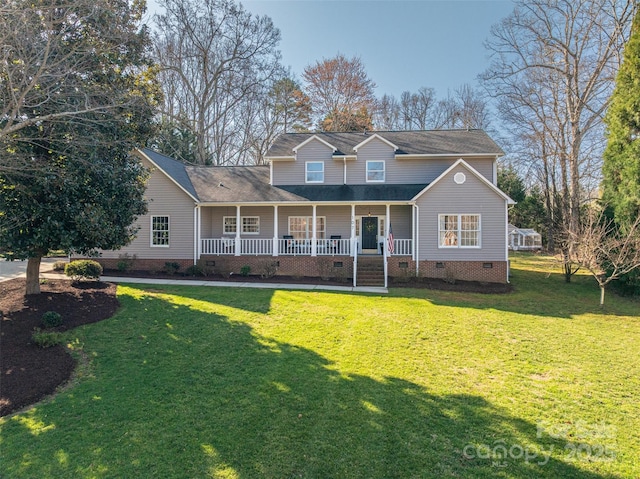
(229,225)
(315,171)
(250,225)
(459,231)
(160,231)
(301,227)
(375,171)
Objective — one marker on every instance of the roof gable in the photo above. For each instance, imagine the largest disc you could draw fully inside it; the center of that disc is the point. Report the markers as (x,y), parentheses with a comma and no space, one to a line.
(312,138)
(471,170)
(423,143)
(172,169)
(376,137)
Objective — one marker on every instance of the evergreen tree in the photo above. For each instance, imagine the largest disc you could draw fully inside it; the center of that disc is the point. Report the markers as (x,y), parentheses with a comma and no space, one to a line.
(621,169)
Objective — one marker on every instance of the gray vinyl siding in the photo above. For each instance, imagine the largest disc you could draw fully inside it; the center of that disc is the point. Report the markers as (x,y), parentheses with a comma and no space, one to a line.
(287,172)
(472,197)
(397,171)
(375,150)
(165,198)
(216,221)
(416,171)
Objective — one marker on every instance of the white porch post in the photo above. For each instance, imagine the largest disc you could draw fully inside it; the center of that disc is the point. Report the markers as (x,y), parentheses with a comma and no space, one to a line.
(414,231)
(416,250)
(353,230)
(238,229)
(196,235)
(314,233)
(387,224)
(275,230)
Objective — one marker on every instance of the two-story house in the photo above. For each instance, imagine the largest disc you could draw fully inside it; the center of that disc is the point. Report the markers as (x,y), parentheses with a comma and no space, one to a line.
(421,203)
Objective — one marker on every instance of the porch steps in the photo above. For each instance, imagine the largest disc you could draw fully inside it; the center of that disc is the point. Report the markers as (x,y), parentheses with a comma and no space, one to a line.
(370,271)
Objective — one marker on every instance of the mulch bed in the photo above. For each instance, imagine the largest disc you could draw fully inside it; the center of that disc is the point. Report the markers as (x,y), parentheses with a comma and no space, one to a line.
(424,283)
(29,373)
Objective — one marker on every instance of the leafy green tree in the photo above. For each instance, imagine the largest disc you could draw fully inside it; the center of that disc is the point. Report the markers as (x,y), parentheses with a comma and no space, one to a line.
(529,210)
(621,169)
(89,109)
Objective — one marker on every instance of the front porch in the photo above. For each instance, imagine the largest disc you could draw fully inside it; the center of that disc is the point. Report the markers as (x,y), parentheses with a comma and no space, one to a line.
(296,247)
(304,230)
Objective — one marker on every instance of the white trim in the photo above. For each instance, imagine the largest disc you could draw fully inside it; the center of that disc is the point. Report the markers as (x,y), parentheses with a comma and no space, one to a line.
(280,158)
(418,156)
(384,171)
(306,171)
(375,135)
(459,231)
(145,156)
(311,138)
(151,230)
(473,171)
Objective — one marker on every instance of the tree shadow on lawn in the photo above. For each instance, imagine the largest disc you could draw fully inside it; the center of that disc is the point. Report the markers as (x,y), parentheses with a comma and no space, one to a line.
(198,394)
(536,293)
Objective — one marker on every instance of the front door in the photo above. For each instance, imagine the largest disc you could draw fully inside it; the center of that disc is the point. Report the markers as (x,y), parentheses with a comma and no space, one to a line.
(370,232)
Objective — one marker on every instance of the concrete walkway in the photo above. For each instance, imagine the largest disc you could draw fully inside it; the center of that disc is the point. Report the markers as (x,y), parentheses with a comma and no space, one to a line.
(233,284)
(18,269)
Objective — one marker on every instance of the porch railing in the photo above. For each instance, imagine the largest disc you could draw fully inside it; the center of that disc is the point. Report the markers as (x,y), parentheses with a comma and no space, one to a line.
(401,247)
(256,246)
(290,247)
(218,246)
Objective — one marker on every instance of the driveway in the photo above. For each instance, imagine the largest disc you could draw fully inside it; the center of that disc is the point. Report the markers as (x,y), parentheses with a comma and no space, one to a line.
(17,269)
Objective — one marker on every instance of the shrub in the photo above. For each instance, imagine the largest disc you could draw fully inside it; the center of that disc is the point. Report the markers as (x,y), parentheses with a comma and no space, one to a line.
(125,262)
(47,339)
(59,265)
(171,267)
(205,268)
(245,270)
(194,270)
(51,319)
(83,269)
(268,269)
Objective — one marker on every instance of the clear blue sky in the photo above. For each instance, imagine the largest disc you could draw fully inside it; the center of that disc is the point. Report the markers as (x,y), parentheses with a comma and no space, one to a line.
(403,44)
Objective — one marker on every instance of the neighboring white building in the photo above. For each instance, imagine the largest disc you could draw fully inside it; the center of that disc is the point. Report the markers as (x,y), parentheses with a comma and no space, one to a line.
(524,239)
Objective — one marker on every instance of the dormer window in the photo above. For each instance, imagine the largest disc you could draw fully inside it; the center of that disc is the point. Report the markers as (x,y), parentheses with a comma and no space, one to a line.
(315,172)
(375,171)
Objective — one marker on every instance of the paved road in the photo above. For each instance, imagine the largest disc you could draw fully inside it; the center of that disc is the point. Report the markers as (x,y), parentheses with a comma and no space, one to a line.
(17,269)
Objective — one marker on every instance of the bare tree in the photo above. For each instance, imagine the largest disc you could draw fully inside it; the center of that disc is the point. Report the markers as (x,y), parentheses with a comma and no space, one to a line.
(44,47)
(341,93)
(553,68)
(387,113)
(604,250)
(215,58)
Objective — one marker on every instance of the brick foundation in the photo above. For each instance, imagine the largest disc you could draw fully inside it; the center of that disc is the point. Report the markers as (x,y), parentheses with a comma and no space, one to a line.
(329,267)
(483,271)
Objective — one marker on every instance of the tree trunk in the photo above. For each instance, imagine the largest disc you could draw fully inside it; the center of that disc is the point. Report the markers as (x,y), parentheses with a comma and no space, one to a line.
(33,275)
(602,295)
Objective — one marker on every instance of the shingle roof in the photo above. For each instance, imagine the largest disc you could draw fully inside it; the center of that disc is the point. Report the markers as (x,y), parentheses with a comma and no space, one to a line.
(355,192)
(424,142)
(174,169)
(248,184)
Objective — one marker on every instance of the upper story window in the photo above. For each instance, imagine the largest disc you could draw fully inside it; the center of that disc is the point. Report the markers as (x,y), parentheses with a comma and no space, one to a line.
(375,171)
(459,231)
(315,171)
(160,231)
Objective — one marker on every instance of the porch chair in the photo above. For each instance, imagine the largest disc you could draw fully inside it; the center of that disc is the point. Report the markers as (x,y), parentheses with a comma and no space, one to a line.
(334,244)
(289,243)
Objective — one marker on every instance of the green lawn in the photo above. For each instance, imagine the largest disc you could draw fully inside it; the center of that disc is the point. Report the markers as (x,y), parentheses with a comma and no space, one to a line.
(239,383)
